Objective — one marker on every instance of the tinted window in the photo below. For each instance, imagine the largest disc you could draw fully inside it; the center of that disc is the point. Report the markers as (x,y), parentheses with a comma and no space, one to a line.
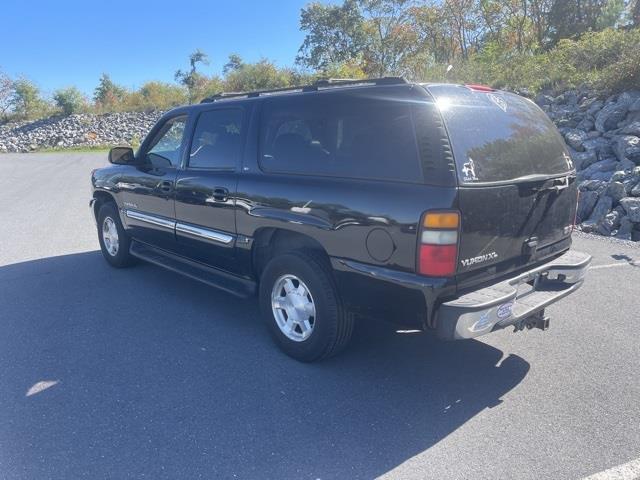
(166,148)
(499,136)
(216,140)
(339,135)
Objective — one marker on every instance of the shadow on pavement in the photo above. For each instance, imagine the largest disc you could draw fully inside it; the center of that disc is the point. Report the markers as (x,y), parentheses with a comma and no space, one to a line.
(151,374)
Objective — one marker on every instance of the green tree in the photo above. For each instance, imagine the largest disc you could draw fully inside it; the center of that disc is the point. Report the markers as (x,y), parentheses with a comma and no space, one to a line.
(26,101)
(635,13)
(334,34)
(261,75)
(234,63)
(570,18)
(69,100)
(108,94)
(612,13)
(6,93)
(192,79)
(390,37)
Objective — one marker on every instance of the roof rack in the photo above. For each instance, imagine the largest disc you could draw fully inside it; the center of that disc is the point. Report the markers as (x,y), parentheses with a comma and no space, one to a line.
(314,87)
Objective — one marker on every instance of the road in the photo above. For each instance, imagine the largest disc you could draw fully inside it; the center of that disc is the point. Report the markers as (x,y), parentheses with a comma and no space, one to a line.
(140,373)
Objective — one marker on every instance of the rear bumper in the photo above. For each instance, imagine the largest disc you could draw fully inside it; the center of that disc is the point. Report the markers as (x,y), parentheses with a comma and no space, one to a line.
(513,301)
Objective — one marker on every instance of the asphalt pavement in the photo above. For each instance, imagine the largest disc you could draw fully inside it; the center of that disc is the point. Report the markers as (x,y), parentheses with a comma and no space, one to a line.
(140,373)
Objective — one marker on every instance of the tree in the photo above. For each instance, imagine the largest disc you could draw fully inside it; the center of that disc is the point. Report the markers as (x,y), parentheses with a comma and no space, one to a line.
(26,101)
(261,75)
(334,34)
(390,39)
(69,100)
(635,13)
(192,80)
(570,18)
(6,93)
(108,94)
(234,63)
(611,14)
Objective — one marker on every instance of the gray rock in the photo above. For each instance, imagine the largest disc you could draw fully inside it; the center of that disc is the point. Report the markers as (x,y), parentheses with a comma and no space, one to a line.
(616,191)
(584,159)
(632,129)
(603,166)
(635,190)
(625,229)
(586,125)
(619,176)
(609,223)
(595,107)
(592,185)
(603,206)
(628,98)
(608,118)
(542,99)
(575,139)
(586,204)
(631,206)
(602,146)
(635,107)
(627,147)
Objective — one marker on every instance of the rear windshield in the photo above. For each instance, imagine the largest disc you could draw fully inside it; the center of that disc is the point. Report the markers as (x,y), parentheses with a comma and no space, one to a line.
(498,136)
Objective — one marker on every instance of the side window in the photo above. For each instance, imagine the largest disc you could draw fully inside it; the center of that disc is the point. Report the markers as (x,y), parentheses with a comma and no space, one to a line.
(340,136)
(166,148)
(217,141)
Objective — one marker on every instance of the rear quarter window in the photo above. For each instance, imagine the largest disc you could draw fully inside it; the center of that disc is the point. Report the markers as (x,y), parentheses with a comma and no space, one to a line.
(339,136)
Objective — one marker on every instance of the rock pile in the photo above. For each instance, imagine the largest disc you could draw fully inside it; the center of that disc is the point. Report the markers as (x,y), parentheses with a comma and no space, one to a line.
(77,130)
(603,136)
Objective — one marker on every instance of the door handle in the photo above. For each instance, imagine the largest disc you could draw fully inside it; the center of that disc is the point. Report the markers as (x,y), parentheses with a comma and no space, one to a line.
(219,194)
(166,186)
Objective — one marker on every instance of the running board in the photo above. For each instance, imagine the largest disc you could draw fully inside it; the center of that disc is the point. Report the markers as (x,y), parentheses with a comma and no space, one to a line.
(211,276)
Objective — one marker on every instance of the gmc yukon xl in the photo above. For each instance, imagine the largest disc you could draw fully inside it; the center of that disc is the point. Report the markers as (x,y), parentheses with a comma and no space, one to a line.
(439,207)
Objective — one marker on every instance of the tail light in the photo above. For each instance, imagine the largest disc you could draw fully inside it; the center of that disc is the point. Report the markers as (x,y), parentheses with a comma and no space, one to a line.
(479,88)
(438,246)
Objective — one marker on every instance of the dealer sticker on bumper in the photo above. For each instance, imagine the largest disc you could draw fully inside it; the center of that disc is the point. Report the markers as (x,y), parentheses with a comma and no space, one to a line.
(505,310)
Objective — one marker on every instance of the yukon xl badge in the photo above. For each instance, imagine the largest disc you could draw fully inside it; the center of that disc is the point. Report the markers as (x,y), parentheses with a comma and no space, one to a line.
(467,262)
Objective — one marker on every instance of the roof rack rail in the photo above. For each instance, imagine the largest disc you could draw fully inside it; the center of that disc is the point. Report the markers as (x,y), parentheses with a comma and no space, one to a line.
(314,87)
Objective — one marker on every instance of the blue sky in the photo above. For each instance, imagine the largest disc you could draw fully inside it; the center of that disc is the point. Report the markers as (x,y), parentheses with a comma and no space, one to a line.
(71,42)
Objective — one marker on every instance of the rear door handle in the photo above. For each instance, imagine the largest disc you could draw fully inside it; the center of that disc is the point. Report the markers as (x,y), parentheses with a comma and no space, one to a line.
(220,194)
(166,186)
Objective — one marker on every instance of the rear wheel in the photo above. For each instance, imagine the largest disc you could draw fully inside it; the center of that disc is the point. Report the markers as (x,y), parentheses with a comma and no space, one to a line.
(114,241)
(302,308)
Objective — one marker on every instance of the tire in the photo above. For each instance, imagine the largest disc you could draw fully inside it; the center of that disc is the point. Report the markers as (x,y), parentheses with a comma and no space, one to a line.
(115,243)
(331,326)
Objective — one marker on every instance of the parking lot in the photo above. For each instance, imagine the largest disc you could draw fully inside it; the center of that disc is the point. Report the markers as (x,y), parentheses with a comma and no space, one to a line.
(140,373)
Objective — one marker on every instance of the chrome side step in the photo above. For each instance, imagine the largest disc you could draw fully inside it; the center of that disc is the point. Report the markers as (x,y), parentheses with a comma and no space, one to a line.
(228,282)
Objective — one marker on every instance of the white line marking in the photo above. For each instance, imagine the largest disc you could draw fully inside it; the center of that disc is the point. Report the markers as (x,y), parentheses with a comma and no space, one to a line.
(613,265)
(626,471)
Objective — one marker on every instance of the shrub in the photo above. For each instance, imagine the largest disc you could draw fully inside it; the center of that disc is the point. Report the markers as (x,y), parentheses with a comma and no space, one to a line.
(26,102)
(70,100)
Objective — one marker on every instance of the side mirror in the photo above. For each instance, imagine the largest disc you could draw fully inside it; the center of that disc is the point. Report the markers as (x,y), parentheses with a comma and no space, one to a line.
(121,155)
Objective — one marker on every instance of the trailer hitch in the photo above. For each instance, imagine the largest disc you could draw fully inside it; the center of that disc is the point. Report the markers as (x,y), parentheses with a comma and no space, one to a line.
(537,320)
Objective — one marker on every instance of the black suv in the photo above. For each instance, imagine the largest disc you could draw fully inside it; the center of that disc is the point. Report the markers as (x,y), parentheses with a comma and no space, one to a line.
(434,206)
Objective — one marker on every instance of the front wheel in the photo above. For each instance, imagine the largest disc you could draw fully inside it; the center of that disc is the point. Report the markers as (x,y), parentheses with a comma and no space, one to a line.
(114,241)
(302,308)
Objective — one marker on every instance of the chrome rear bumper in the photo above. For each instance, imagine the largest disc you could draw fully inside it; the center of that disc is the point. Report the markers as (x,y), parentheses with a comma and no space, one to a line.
(514,301)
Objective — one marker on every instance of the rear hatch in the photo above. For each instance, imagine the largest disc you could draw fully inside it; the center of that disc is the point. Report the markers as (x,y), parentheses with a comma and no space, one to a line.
(517,191)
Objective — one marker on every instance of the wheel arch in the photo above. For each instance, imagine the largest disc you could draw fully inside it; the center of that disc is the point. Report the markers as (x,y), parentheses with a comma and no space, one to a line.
(100,197)
(271,241)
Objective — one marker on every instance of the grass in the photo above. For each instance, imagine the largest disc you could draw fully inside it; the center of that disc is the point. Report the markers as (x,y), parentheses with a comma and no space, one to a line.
(76,148)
